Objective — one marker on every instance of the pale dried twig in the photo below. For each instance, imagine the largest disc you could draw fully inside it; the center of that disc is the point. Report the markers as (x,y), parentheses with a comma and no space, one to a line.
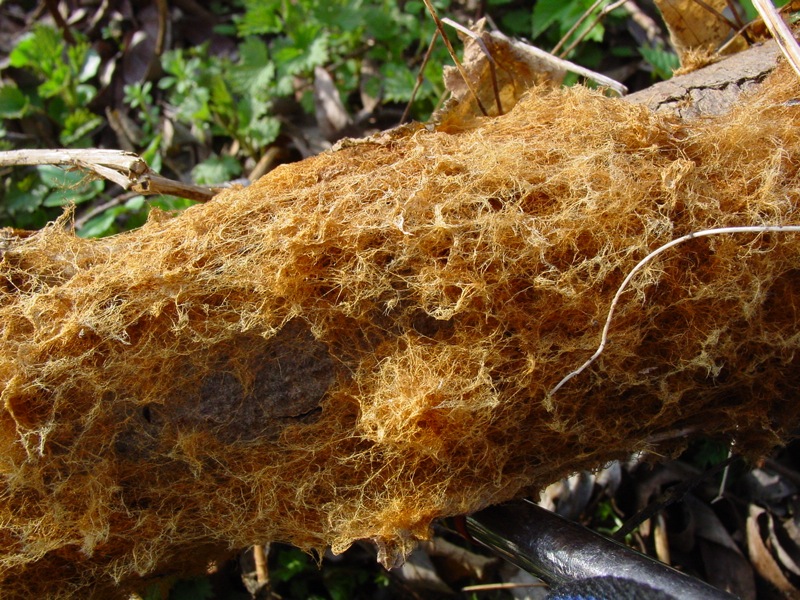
(126,169)
(566,65)
(485,50)
(606,9)
(488,587)
(574,27)
(420,76)
(780,31)
(452,52)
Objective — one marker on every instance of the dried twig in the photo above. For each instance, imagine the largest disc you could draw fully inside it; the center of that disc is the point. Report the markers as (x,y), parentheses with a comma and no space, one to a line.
(490,60)
(566,65)
(126,169)
(260,558)
(575,26)
(452,52)
(780,31)
(607,9)
(420,76)
(488,587)
(638,267)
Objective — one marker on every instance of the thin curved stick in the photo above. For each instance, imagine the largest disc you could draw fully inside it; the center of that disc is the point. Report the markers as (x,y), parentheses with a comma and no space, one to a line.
(780,31)
(452,52)
(638,267)
(607,9)
(420,76)
(486,53)
(574,27)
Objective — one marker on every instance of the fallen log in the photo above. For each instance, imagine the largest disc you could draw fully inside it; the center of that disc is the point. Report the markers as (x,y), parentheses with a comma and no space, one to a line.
(370,339)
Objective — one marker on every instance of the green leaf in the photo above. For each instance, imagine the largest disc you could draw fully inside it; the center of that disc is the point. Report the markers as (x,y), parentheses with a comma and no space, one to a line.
(171,203)
(307,49)
(13,103)
(547,12)
(263,131)
(517,21)
(381,24)
(222,102)
(99,226)
(290,563)
(193,108)
(90,65)
(53,176)
(563,14)
(344,16)
(254,73)
(68,186)
(398,82)
(39,50)
(152,155)
(26,196)
(78,124)
(57,81)
(261,16)
(663,61)
(216,169)
(85,93)
(135,203)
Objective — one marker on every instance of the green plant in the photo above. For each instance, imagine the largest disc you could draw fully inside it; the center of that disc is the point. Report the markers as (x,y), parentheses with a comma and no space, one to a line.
(54,97)
(64,91)
(346,34)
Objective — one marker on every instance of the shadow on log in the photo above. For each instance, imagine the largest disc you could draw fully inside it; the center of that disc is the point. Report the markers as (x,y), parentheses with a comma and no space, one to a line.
(362,342)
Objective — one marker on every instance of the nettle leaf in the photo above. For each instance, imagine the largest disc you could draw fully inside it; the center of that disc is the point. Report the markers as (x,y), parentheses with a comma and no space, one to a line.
(85,93)
(216,169)
(151,154)
(663,61)
(193,108)
(264,130)
(136,203)
(547,12)
(83,61)
(222,101)
(307,48)
(39,50)
(384,25)
(344,16)
(558,12)
(56,82)
(99,226)
(13,103)
(26,195)
(89,65)
(398,82)
(78,124)
(595,34)
(517,22)
(255,72)
(261,16)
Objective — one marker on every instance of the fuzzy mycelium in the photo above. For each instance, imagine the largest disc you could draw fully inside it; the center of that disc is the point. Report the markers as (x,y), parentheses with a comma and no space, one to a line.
(365,341)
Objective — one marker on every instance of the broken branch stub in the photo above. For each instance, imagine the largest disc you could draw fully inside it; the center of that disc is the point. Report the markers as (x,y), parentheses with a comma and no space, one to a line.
(362,342)
(126,169)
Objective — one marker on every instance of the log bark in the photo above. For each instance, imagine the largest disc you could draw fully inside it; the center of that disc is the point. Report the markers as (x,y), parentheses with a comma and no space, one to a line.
(712,90)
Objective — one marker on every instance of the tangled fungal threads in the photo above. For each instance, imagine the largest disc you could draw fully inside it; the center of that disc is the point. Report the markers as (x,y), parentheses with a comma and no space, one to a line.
(362,342)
